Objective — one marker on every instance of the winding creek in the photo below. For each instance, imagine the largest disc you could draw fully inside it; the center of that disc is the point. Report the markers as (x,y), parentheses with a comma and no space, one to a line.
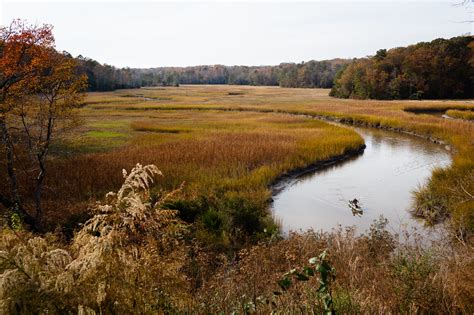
(382,179)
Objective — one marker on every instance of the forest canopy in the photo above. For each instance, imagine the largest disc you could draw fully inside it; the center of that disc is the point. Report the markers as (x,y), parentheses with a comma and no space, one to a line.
(440,69)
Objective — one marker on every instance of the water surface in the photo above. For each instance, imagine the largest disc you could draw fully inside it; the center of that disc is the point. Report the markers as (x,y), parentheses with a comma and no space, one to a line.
(382,179)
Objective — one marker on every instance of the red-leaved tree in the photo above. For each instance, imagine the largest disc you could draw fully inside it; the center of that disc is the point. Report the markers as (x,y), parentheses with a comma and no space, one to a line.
(39,90)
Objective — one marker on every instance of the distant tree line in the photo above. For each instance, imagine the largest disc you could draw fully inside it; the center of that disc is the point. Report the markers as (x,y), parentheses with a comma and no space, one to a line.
(305,74)
(103,77)
(440,69)
(312,74)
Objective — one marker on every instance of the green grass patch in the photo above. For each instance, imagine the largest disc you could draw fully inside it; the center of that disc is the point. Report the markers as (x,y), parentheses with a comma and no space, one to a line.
(104,134)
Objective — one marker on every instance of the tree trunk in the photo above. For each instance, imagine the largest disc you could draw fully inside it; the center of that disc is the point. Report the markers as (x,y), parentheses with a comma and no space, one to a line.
(38,190)
(41,156)
(9,159)
(15,204)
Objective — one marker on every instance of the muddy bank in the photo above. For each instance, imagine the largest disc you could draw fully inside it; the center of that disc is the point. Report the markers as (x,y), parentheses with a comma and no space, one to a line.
(282,181)
(442,112)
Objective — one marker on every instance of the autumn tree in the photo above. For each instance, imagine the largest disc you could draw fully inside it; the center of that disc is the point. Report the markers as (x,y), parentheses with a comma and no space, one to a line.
(39,91)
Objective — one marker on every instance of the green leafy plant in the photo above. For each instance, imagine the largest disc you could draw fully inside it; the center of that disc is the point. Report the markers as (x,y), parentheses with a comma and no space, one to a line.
(317,265)
(16,222)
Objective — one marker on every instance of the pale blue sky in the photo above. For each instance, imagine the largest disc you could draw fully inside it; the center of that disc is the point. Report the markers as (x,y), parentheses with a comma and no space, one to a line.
(155,33)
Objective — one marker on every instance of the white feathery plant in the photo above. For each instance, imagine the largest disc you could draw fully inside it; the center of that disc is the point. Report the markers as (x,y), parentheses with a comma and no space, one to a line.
(130,202)
(28,272)
(127,234)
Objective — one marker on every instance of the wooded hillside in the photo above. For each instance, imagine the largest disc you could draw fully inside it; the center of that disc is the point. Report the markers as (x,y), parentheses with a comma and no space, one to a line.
(440,69)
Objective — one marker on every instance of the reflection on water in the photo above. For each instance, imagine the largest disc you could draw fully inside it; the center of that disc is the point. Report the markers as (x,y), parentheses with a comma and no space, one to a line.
(382,179)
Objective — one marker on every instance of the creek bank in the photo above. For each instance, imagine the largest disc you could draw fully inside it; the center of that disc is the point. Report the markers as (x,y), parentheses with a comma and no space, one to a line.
(440,112)
(283,180)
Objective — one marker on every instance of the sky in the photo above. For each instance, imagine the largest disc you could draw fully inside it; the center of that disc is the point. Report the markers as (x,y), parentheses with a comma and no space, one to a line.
(157,33)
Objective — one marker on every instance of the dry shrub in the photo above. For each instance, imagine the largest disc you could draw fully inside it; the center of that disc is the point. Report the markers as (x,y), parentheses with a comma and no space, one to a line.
(374,275)
(29,269)
(458,278)
(126,257)
(130,260)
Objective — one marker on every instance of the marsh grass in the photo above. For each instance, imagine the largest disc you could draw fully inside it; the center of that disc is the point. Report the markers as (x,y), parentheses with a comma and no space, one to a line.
(461,114)
(206,120)
(399,116)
